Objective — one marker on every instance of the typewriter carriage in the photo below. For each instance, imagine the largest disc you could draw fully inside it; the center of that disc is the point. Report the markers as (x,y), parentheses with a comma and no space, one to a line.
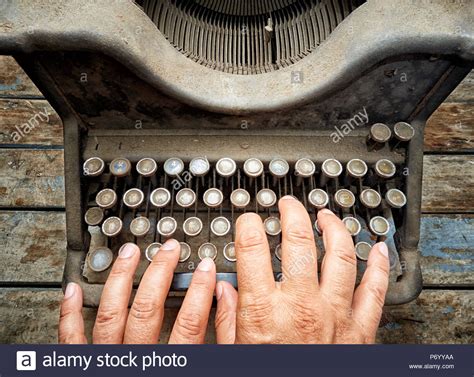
(142,78)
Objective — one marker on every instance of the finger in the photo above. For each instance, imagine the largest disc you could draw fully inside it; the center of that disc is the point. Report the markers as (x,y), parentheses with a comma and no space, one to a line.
(254,265)
(191,323)
(339,268)
(226,313)
(299,258)
(146,314)
(71,323)
(369,296)
(113,309)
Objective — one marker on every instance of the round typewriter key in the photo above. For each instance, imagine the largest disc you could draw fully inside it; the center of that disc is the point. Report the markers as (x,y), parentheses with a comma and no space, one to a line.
(356,168)
(385,168)
(185,252)
(379,226)
(403,131)
(106,198)
(112,226)
(240,198)
(213,197)
(266,198)
(332,168)
(305,168)
(352,225)
(133,198)
(207,250)
(160,197)
(140,226)
(370,198)
(317,228)
(186,198)
(173,166)
(380,133)
(272,226)
(278,251)
(220,226)
(226,167)
(199,166)
(279,167)
(229,252)
(362,250)
(395,198)
(120,167)
(100,259)
(318,198)
(253,167)
(192,226)
(344,198)
(93,167)
(152,250)
(167,226)
(94,216)
(147,167)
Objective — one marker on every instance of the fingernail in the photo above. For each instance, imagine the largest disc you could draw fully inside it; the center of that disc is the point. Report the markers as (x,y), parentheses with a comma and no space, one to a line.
(326,211)
(288,197)
(206,265)
(127,250)
(219,291)
(70,290)
(169,245)
(383,249)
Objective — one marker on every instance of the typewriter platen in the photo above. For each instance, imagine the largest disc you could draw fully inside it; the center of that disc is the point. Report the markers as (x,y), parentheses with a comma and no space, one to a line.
(181,115)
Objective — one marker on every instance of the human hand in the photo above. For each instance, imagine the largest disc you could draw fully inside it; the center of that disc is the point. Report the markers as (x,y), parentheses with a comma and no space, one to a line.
(301,309)
(116,324)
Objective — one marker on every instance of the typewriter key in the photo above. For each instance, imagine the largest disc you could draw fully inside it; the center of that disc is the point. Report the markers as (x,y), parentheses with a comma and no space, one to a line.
(160,197)
(186,198)
(318,198)
(192,226)
(140,226)
(94,216)
(93,167)
(379,226)
(356,168)
(106,198)
(272,226)
(152,250)
(240,198)
(352,225)
(213,197)
(173,166)
(266,198)
(133,198)
(385,168)
(380,133)
(120,167)
(278,251)
(199,166)
(185,252)
(317,228)
(100,259)
(304,168)
(362,250)
(395,198)
(229,252)
(331,169)
(220,226)
(226,167)
(147,167)
(344,198)
(253,167)
(112,226)
(370,198)
(207,250)
(279,167)
(404,132)
(167,226)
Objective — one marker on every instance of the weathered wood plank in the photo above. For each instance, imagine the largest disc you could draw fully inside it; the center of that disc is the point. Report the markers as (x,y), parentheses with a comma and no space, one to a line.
(31,316)
(14,82)
(464,92)
(29,122)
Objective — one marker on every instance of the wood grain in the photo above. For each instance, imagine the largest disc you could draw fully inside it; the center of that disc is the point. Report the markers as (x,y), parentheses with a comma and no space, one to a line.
(14,82)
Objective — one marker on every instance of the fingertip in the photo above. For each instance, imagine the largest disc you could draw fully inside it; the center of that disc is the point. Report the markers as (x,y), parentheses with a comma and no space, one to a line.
(382,248)
(170,245)
(206,265)
(128,250)
(70,291)
(248,218)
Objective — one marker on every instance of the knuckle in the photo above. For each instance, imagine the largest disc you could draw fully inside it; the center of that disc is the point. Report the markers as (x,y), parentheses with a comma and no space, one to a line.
(190,324)
(250,241)
(378,293)
(257,312)
(224,317)
(144,309)
(305,319)
(106,316)
(119,270)
(346,256)
(300,235)
(162,263)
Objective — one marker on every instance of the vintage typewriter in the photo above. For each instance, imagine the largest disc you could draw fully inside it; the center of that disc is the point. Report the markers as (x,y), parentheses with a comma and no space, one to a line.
(179,116)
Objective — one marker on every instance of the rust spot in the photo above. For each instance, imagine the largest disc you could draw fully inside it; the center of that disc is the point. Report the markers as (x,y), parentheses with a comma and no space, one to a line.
(20,202)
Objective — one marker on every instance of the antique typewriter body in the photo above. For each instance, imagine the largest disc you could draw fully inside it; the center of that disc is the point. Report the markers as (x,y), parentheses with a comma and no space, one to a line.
(181,115)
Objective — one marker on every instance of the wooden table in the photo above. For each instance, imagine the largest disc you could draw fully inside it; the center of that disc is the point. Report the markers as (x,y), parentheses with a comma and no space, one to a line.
(32,223)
